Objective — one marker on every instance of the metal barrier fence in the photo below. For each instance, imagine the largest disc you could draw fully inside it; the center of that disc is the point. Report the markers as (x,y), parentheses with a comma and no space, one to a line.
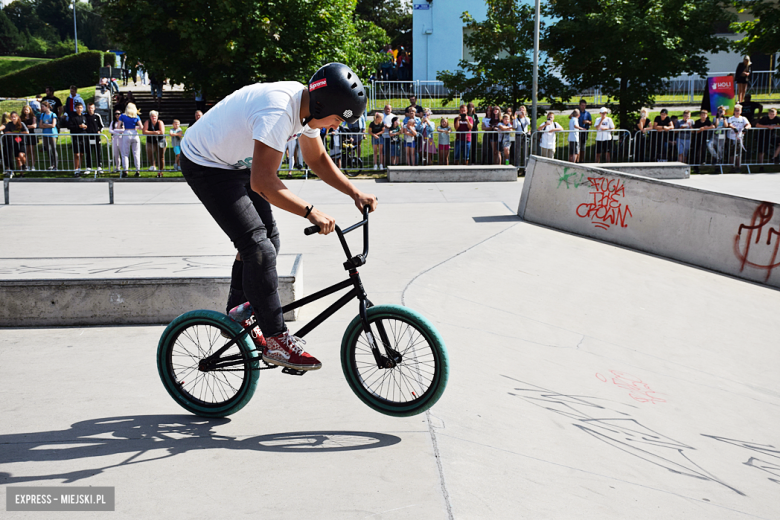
(357,152)
(723,148)
(63,152)
(430,94)
(587,146)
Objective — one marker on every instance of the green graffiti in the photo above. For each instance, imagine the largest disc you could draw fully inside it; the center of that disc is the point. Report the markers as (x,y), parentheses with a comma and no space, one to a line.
(575,179)
(564,179)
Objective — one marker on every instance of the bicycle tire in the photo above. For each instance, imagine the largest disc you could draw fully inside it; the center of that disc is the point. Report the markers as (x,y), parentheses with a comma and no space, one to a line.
(421,374)
(230,389)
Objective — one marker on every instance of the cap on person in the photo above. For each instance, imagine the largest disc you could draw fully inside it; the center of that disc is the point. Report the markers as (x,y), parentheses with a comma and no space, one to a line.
(603,109)
(335,89)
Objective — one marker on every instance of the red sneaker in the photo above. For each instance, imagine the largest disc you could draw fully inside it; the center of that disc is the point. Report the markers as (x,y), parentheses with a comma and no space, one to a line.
(238,314)
(285,350)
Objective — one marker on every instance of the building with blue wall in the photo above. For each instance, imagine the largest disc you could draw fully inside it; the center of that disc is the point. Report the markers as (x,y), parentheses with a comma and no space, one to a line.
(438,34)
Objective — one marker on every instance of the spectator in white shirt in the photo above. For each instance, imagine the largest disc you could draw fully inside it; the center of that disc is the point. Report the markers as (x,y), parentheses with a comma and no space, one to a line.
(737,124)
(574,137)
(548,129)
(604,125)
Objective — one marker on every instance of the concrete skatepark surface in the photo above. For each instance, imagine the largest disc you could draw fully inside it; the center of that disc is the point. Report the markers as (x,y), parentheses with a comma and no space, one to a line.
(587,380)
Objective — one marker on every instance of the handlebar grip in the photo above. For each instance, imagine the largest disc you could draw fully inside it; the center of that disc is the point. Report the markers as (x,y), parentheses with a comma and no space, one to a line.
(311,230)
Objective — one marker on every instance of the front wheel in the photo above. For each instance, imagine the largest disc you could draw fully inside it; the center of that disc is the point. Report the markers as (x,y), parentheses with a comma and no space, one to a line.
(209,391)
(420,366)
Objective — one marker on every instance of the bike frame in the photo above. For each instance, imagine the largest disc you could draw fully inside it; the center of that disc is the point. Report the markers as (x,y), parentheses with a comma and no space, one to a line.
(353,262)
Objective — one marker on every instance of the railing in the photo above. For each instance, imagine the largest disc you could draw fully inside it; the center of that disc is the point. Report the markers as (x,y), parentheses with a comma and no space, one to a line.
(588,146)
(722,148)
(430,94)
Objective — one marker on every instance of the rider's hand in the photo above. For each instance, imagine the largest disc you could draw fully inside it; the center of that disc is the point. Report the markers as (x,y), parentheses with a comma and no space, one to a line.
(326,223)
(365,199)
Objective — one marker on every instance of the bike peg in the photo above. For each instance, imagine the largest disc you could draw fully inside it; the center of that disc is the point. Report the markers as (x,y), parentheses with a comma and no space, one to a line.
(311,230)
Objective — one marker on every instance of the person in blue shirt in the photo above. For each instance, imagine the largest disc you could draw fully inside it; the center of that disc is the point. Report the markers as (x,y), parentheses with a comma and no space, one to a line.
(48,123)
(584,122)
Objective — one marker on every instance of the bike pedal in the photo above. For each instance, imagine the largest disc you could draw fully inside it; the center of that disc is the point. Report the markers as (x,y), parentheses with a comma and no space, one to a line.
(293,372)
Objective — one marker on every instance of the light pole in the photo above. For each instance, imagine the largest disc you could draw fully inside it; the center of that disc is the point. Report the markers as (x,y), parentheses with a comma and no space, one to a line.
(75,34)
(535,87)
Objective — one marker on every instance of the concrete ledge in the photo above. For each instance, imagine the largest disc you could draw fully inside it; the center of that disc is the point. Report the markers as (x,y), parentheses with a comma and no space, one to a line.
(724,233)
(654,170)
(498,173)
(45,292)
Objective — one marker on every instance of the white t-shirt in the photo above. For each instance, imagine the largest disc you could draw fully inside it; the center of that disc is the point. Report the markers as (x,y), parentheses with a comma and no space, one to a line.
(573,135)
(604,135)
(737,123)
(267,112)
(387,120)
(548,136)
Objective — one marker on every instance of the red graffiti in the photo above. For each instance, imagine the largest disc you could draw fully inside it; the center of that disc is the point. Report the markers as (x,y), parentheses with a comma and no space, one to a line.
(638,390)
(761,217)
(605,209)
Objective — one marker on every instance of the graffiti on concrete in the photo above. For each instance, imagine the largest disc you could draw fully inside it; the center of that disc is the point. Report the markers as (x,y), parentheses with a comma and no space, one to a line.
(757,229)
(606,207)
(575,179)
(638,390)
(620,431)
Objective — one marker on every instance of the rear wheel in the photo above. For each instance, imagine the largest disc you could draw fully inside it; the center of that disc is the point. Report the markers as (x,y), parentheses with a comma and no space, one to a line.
(421,367)
(207,391)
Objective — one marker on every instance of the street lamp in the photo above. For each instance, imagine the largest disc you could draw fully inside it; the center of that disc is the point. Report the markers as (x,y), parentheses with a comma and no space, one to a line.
(75,34)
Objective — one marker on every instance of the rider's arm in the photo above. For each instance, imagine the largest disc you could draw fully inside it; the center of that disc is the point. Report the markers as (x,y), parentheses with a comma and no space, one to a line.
(267,184)
(319,161)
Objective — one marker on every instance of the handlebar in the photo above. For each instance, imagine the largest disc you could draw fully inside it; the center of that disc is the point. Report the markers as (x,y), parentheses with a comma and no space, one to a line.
(358,260)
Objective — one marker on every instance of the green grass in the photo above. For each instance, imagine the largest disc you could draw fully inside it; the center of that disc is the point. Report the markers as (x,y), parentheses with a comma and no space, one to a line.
(9,64)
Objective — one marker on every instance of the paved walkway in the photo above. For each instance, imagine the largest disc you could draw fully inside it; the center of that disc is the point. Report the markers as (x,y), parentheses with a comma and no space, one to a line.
(587,380)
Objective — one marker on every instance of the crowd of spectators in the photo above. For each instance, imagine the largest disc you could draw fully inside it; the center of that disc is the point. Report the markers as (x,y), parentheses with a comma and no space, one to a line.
(35,134)
(397,65)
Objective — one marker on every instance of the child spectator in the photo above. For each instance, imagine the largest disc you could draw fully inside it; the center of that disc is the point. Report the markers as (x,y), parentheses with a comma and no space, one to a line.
(377,130)
(684,137)
(30,121)
(716,145)
(116,129)
(548,129)
(699,139)
(574,136)
(463,125)
(751,110)
(395,143)
(176,136)
(737,124)
(410,133)
(604,125)
(504,133)
(662,125)
(48,124)
(444,141)
(428,129)
(16,143)
(78,125)
(94,146)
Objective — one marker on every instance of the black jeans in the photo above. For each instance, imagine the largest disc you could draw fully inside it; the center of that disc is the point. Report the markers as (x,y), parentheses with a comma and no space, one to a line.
(247,220)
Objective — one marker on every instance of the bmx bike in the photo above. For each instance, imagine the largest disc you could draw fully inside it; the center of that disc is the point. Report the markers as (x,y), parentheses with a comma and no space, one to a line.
(393,359)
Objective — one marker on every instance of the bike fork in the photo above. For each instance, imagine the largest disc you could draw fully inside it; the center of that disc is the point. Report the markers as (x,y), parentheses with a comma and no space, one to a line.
(393,357)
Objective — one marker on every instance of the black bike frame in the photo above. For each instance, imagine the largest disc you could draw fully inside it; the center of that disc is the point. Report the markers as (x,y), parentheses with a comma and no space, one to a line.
(357,291)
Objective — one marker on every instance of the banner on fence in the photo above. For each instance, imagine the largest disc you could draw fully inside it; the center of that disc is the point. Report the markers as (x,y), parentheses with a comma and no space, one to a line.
(721,92)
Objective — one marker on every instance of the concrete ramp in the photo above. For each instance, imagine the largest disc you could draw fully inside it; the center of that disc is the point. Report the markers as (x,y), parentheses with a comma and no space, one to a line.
(498,173)
(46,292)
(725,233)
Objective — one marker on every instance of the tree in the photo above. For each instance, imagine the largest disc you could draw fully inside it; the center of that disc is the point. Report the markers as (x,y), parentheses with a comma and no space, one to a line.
(628,48)
(394,16)
(221,46)
(762,34)
(501,72)
(10,39)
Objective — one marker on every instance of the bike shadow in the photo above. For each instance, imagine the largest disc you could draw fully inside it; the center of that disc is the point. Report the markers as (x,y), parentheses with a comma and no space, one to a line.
(139,435)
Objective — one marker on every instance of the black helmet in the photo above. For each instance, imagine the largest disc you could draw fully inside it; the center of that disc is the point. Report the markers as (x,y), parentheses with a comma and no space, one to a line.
(336,90)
